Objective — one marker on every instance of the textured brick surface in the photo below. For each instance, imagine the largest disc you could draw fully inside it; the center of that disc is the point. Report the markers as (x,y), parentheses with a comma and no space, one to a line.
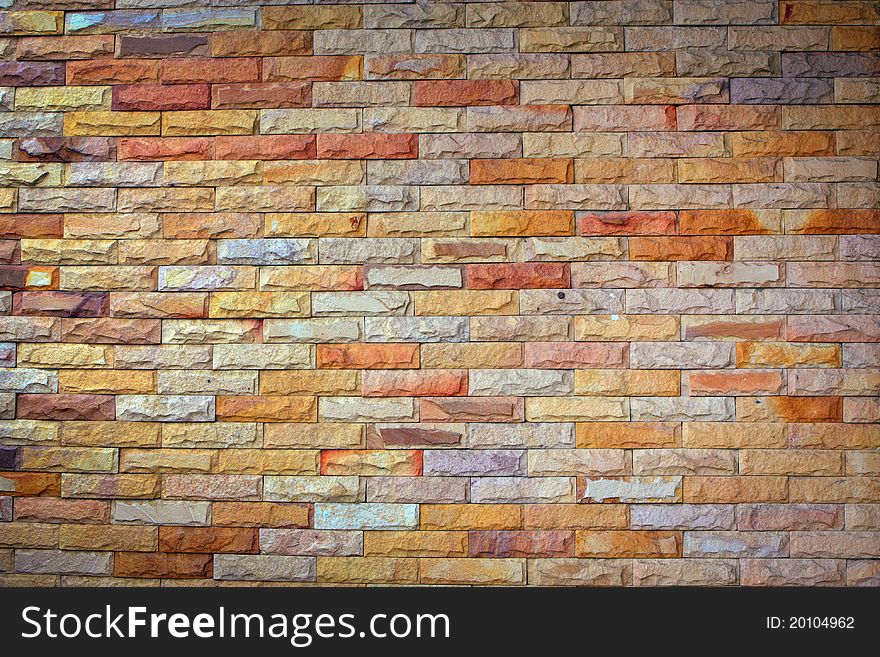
(440,292)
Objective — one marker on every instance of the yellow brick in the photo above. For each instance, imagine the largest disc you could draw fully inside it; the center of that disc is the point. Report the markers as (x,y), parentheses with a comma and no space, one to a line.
(639,383)
(334,435)
(31,22)
(418,224)
(315,172)
(117,382)
(467,302)
(784,354)
(473,355)
(209,122)
(166,460)
(576,409)
(29,535)
(27,174)
(65,355)
(68,459)
(119,486)
(110,278)
(213,173)
(62,99)
(108,537)
(367,570)
(110,434)
(734,489)
(111,124)
(470,516)
(494,572)
(732,170)
(268,461)
(315,224)
(575,516)
(259,304)
(415,543)
(311,18)
(339,383)
(635,328)
(522,223)
(733,435)
(808,462)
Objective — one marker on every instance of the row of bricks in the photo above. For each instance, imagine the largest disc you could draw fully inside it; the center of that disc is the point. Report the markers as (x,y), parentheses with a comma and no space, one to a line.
(277,82)
(760,336)
(432,198)
(434,225)
(430,93)
(526,171)
(410,326)
(142,510)
(749,126)
(276,69)
(381,289)
(441,465)
(563,408)
(514,27)
(391,262)
(446,15)
(530,368)
(431,383)
(146,569)
(498,14)
(594,544)
(474,435)
(849,514)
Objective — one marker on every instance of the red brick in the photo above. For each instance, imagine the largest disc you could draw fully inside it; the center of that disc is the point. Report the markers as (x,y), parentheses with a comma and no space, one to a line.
(368,356)
(517,275)
(163,564)
(266,147)
(194,70)
(66,407)
(209,539)
(736,383)
(56,509)
(368,146)
(31,226)
(458,93)
(159,97)
(681,248)
(471,409)
(61,304)
(626,223)
(157,149)
(262,95)
(568,355)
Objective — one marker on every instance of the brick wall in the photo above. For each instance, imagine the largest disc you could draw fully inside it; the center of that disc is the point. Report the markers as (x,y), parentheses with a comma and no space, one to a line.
(443,292)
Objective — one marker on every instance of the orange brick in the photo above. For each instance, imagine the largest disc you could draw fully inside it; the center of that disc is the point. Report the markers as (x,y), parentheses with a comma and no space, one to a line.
(680,248)
(515,276)
(368,356)
(628,544)
(266,409)
(521,172)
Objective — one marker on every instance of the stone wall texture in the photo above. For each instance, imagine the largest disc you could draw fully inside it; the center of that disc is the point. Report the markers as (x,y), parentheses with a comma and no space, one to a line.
(482,293)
